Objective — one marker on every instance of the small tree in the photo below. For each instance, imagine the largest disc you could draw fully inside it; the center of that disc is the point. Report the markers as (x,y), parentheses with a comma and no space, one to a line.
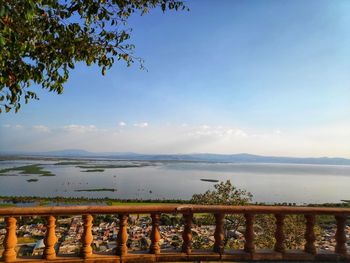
(225,193)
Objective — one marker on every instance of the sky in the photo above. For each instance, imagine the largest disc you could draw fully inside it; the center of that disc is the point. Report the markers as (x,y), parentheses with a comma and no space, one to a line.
(263,77)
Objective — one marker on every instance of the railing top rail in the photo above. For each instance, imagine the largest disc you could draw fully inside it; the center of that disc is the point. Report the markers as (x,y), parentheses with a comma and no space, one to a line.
(145,209)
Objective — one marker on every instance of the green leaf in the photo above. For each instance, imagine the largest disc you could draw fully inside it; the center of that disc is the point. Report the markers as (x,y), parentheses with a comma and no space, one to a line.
(2,41)
(71,65)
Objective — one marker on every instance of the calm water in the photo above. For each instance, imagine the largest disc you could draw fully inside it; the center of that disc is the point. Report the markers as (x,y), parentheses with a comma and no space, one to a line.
(179,180)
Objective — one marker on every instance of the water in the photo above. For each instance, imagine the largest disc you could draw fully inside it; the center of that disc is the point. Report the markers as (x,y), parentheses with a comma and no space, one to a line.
(270,183)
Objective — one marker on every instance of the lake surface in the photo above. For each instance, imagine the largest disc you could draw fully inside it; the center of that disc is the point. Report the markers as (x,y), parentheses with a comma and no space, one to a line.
(291,183)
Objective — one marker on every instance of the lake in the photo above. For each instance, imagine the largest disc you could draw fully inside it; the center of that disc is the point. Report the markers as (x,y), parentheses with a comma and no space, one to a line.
(270,183)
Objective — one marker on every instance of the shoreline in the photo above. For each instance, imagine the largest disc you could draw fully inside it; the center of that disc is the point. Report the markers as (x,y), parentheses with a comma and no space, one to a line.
(6,201)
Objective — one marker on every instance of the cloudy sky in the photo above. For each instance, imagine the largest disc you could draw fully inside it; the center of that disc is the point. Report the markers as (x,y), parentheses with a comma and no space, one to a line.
(264,77)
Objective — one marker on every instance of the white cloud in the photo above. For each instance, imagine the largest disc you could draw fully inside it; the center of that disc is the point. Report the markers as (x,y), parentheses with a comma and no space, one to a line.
(236,132)
(141,124)
(17,126)
(218,131)
(278,131)
(332,140)
(41,128)
(122,124)
(79,128)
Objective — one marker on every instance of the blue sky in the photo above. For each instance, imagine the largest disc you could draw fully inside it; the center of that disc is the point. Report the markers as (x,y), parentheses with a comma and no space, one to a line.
(265,77)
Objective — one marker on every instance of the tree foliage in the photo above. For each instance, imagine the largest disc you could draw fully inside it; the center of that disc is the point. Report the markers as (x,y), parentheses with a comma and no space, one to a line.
(42,40)
(294,230)
(225,193)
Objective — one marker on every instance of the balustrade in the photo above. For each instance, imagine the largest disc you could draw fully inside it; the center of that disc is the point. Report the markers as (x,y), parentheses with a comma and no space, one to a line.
(249,233)
(279,234)
(186,253)
(10,240)
(219,233)
(86,250)
(340,236)
(122,237)
(155,234)
(50,238)
(310,234)
(187,234)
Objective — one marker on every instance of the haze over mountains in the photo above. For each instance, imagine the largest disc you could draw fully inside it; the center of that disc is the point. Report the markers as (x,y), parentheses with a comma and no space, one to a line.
(203,157)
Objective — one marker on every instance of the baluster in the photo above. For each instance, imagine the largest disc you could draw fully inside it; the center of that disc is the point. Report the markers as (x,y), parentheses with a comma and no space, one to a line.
(122,237)
(310,235)
(219,233)
(10,240)
(279,234)
(249,233)
(87,238)
(155,234)
(340,237)
(50,238)
(187,234)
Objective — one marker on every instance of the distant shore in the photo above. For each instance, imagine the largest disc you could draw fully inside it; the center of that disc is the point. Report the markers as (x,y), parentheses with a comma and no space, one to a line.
(194,157)
(6,201)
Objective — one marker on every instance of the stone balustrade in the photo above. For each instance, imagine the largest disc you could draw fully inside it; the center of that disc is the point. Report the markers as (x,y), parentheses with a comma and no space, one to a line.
(155,254)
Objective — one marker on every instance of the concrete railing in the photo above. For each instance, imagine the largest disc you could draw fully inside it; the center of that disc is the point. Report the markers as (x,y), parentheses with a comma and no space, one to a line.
(249,253)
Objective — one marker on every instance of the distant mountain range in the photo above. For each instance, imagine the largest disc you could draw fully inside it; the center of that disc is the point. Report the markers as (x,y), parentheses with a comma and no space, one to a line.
(202,157)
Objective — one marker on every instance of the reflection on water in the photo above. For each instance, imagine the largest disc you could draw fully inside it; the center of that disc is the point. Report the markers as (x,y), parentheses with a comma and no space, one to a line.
(180,180)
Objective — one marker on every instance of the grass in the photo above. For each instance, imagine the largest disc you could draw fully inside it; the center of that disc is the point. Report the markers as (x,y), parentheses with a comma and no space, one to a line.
(210,180)
(32,180)
(43,202)
(110,166)
(7,205)
(97,190)
(28,169)
(93,170)
(70,163)
(131,203)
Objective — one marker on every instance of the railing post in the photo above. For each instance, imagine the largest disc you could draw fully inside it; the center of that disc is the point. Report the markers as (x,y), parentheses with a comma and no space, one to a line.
(187,233)
(249,233)
(340,236)
(87,238)
(122,237)
(10,240)
(279,234)
(310,235)
(155,234)
(219,233)
(50,238)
